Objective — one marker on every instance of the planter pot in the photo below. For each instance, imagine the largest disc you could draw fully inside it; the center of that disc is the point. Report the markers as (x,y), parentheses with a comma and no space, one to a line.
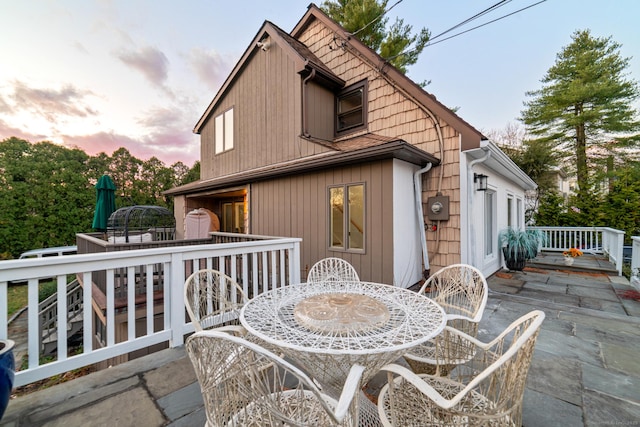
(568,260)
(7,373)
(515,263)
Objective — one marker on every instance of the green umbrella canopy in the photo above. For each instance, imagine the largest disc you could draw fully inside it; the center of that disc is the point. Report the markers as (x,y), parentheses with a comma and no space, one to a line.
(105,202)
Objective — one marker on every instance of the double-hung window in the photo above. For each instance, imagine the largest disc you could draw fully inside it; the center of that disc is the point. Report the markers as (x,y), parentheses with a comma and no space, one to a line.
(346,217)
(224,131)
(351,111)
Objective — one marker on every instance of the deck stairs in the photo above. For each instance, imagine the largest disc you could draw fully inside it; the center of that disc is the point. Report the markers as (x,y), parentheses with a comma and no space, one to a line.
(48,315)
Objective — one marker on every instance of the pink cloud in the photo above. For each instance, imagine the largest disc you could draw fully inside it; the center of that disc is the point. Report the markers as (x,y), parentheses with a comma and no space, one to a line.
(210,67)
(162,118)
(51,103)
(7,131)
(169,147)
(151,62)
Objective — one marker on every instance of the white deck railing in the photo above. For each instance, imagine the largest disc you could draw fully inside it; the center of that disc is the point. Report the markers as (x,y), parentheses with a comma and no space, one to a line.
(596,240)
(257,265)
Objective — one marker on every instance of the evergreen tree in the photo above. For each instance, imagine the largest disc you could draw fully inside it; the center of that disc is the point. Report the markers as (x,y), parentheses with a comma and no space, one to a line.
(584,107)
(365,20)
(47,191)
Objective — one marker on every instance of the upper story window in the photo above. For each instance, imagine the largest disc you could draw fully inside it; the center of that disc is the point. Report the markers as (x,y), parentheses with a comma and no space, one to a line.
(224,131)
(351,108)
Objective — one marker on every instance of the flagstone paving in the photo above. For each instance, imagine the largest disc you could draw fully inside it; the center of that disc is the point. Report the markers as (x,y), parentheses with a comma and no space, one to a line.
(585,370)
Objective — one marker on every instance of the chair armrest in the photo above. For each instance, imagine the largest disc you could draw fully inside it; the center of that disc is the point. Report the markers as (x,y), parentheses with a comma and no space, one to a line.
(237,330)
(349,391)
(423,386)
(466,337)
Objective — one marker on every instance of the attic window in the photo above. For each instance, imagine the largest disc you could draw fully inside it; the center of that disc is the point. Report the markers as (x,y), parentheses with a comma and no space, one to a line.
(224,131)
(351,109)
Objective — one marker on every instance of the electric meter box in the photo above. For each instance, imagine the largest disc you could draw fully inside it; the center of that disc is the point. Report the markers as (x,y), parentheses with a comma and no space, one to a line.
(438,208)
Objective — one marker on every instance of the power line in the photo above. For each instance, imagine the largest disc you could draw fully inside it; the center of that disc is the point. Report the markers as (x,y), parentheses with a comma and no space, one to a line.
(486,23)
(499,4)
(378,17)
(476,16)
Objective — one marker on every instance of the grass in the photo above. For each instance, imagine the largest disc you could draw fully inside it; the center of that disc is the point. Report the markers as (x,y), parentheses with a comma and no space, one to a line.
(17,299)
(17,295)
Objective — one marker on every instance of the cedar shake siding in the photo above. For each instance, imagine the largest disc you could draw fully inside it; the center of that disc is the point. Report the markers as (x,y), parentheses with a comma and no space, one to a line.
(393,112)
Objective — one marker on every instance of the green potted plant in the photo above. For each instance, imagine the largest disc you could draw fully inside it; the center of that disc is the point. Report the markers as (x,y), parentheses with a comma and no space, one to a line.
(518,246)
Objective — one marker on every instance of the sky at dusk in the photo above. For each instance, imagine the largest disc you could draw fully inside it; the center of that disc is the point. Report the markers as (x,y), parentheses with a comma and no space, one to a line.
(101,74)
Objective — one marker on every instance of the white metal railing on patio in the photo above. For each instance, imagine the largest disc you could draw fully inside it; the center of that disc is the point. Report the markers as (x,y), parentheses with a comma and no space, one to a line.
(596,240)
(257,265)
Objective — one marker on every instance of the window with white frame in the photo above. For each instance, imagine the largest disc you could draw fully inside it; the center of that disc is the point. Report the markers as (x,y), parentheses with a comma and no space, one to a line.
(519,213)
(224,131)
(490,235)
(346,217)
(510,221)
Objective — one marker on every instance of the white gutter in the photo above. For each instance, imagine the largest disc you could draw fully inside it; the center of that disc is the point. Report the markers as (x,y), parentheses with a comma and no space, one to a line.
(417,187)
(470,188)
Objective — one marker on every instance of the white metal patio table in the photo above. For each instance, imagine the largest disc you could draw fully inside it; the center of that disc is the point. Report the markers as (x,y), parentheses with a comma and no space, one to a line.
(326,327)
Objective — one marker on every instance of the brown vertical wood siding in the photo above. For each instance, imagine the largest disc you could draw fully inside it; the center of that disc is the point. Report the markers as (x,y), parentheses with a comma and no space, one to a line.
(267,114)
(297,206)
(393,113)
(321,111)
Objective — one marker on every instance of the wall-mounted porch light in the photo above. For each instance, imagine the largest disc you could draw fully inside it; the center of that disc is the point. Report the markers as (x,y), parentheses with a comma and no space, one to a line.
(480,181)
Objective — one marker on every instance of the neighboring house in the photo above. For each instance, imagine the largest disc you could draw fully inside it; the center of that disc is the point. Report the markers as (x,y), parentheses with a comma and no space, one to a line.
(314,135)
(564,184)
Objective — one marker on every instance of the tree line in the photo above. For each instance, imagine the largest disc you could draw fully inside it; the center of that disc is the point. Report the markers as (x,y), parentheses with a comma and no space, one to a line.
(47,191)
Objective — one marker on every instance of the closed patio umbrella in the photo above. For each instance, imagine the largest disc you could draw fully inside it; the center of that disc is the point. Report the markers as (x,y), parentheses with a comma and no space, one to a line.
(105,202)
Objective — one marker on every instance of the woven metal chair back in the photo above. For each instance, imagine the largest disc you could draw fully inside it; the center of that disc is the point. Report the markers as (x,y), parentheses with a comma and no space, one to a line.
(332,269)
(244,384)
(461,290)
(487,390)
(212,299)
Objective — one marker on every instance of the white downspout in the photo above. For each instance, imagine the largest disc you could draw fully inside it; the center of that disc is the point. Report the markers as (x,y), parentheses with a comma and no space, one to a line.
(470,188)
(417,187)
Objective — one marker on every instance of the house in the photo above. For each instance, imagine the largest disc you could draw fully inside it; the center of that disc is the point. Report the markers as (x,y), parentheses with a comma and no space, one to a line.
(314,135)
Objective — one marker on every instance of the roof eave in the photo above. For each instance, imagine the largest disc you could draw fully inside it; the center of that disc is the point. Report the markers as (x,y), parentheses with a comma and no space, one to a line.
(302,65)
(499,162)
(397,149)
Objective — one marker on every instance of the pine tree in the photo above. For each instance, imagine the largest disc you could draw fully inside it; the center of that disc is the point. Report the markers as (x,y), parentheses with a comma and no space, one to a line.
(584,107)
(365,20)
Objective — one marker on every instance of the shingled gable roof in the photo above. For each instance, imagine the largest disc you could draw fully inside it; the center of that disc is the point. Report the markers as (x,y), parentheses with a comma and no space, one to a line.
(360,149)
(304,59)
(470,136)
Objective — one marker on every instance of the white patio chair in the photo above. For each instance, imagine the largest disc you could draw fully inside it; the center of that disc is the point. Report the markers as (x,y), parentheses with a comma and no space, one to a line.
(244,384)
(488,390)
(212,299)
(461,290)
(334,269)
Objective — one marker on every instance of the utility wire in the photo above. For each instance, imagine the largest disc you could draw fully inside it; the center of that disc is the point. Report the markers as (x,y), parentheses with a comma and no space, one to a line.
(471,29)
(476,16)
(378,17)
(486,23)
